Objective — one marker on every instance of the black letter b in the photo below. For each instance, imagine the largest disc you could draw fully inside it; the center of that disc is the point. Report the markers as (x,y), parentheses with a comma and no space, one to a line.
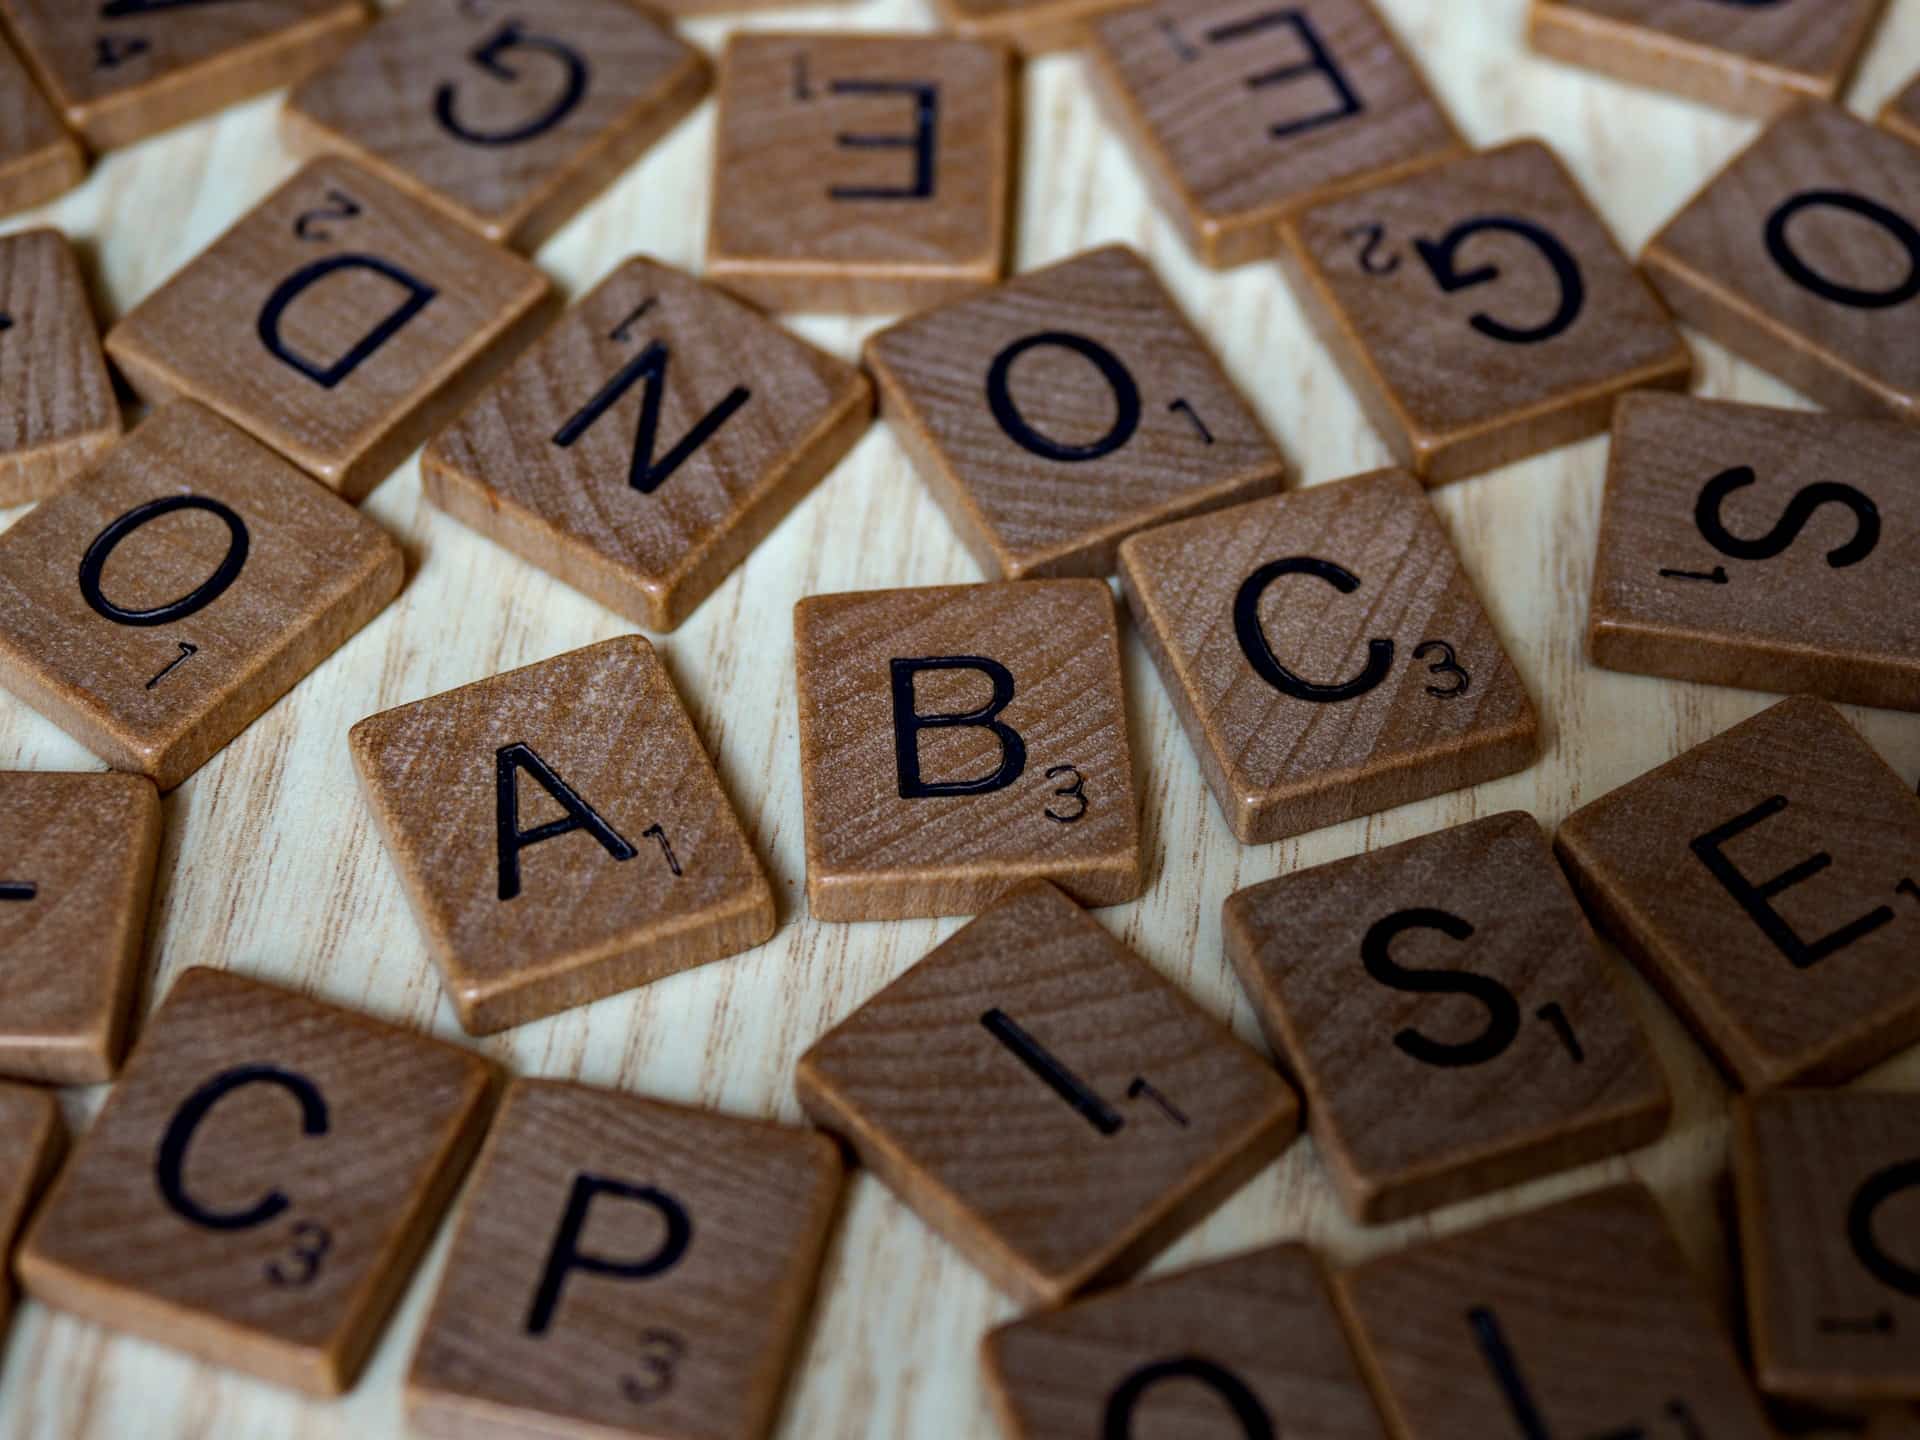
(908,723)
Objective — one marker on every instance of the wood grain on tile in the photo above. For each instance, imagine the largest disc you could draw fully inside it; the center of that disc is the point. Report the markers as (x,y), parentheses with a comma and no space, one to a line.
(1481,309)
(1768,549)
(339,321)
(864,174)
(1803,257)
(157,607)
(625,1267)
(1327,655)
(510,122)
(561,834)
(1044,1100)
(1901,114)
(1766,882)
(1252,1341)
(74,886)
(123,71)
(1828,1184)
(1033,25)
(39,159)
(654,437)
(58,413)
(1755,58)
(1242,113)
(1583,1319)
(1065,410)
(955,741)
(32,1140)
(1457,968)
(259,1184)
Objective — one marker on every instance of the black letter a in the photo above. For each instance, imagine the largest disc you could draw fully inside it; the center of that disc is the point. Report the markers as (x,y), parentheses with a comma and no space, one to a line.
(580,815)
(650,365)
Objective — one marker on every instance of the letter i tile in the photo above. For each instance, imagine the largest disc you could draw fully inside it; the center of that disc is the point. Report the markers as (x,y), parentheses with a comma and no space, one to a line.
(955,741)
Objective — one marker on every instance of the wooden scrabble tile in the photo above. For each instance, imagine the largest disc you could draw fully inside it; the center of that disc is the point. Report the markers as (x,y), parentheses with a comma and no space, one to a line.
(651,873)
(649,442)
(339,321)
(1481,309)
(157,607)
(509,122)
(1759,548)
(1327,655)
(864,174)
(1033,25)
(1241,114)
(1063,411)
(1187,1355)
(74,886)
(1457,967)
(1803,257)
(32,1141)
(1045,1100)
(625,1267)
(38,158)
(1583,1319)
(252,1193)
(1828,1184)
(1754,56)
(1768,883)
(132,68)
(58,414)
(1902,113)
(955,741)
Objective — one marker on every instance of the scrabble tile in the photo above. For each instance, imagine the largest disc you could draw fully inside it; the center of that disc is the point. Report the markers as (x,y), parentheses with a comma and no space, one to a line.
(1033,25)
(1760,548)
(156,608)
(74,886)
(1768,883)
(1045,1100)
(1902,113)
(38,158)
(561,834)
(1327,655)
(955,741)
(32,1140)
(1242,113)
(1581,1320)
(1828,1184)
(251,1193)
(1457,967)
(1481,310)
(510,122)
(1058,414)
(649,442)
(1803,257)
(625,1267)
(864,174)
(339,321)
(126,70)
(58,414)
(1756,58)
(1185,1355)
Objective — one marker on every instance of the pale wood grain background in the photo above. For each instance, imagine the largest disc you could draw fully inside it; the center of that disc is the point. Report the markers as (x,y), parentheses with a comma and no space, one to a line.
(271,867)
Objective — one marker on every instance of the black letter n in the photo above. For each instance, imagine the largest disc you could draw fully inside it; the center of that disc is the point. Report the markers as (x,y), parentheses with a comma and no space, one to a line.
(512,759)
(650,365)
(908,722)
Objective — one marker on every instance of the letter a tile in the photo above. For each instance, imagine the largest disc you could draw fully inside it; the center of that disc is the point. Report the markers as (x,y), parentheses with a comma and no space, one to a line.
(510,122)
(1242,112)
(861,173)
(159,606)
(74,886)
(341,322)
(58,414)
(1583,1319)
(32,1140)
(561,834)
(1327,655)
(1829,1197)
(38,158)
(958,740)
(1768,883)
(625,1267)
(1481,309)
(1045,1100)
(1065,410)
(260,1183)
(649,442)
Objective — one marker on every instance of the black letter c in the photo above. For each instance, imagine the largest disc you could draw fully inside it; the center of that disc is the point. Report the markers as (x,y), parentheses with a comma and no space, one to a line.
(171,1161)
(1253,637)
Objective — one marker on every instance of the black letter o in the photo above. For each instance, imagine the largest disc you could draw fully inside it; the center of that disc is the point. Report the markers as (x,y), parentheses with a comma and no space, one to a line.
(1126,397)
(95,561)
(1805,276)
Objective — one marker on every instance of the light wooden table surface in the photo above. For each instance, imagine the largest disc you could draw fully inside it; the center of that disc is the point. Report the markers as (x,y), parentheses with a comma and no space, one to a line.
(271,867)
